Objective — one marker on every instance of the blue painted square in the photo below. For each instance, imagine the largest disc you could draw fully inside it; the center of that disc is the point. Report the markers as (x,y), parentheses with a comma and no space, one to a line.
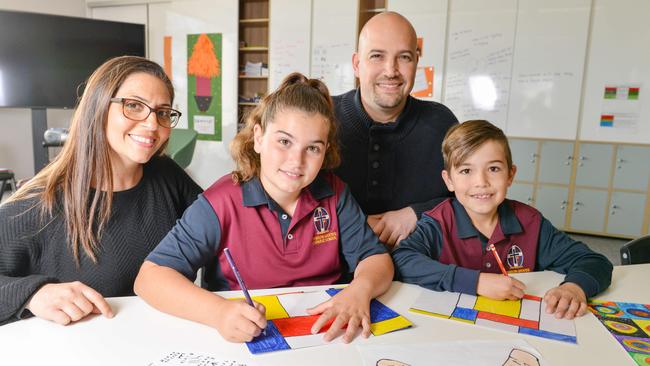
(549,335)
(333,291)
(272,341)
(379,312)
(466,314)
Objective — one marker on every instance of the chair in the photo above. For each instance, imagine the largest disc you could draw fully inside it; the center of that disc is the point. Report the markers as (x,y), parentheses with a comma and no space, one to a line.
(181,146)
(637,251)
(7,179)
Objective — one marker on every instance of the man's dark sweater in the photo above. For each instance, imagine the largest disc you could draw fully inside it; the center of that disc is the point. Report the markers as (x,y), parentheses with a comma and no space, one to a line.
(33,254)
(389,166)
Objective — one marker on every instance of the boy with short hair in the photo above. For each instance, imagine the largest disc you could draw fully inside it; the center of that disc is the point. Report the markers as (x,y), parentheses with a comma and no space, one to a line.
(450,248)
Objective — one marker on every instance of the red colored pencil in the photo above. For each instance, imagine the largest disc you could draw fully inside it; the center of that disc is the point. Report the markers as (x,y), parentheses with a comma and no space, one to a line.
(496,256)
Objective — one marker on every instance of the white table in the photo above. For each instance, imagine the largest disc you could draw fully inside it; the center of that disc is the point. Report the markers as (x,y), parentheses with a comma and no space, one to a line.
(139,334)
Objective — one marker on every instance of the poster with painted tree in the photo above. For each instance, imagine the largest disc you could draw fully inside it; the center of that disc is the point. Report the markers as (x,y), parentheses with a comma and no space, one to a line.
(204,105)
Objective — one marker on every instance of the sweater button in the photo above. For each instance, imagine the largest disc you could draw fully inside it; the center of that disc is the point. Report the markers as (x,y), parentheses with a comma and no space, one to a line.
(488,264)
(284,216)
(375,147)
(375,164)
(374,183)
(290,236)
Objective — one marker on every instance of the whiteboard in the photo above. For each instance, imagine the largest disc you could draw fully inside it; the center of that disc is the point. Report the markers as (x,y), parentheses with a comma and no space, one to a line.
(334,40)
(479,59)
(429,18)
(619,55)
(289,39)
(549,56)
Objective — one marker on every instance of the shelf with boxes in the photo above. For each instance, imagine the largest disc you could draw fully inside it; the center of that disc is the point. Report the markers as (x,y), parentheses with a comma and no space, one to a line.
(253,54)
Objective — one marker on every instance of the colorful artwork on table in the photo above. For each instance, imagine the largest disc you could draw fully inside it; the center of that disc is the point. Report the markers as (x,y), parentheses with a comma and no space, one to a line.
(289,325)
(524,316)
(629,323)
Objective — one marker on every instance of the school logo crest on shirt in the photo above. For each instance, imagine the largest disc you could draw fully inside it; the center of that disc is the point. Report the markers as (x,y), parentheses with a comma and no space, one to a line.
(515,257)
(321,220)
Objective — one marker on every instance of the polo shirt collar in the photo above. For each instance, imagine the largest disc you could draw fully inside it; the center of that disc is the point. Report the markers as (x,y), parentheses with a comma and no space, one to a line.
(508,221)
(253,192)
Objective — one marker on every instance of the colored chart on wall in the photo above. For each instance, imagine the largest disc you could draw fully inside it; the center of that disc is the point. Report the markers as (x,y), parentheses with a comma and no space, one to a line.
(524,316)
(289,325)
(629,323)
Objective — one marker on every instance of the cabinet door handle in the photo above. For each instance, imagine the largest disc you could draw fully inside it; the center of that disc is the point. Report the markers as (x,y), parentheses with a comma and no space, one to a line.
(577,205)
(569,159)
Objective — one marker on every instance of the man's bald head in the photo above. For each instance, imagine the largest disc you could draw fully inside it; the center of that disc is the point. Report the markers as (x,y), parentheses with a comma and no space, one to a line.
(389,21)
(385,63)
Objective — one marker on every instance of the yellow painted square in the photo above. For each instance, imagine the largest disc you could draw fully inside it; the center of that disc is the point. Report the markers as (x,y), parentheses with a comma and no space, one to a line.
(510,308)
(644,325)
(390,325)
(274,309)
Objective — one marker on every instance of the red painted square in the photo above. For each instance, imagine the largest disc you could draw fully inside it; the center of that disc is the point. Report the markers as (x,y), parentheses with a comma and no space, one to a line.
(508,320)
(299,325)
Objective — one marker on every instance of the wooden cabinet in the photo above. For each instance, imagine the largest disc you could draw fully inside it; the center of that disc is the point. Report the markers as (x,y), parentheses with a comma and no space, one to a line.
(253,54)
(602,190)
(555,162)
(625,214)
(553,203)
(544,166)
(588,213)
(594,162)
(631,168)
(522,192)
(524,156)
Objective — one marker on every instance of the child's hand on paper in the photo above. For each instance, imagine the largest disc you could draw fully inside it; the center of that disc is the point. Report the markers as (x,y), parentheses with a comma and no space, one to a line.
(64,303)
(237,321)
(500,287)
(351,307)
(567,301)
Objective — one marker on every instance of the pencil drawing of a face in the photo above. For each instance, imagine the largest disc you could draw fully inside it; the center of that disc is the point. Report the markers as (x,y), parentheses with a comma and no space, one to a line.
(387,362)
(518,357)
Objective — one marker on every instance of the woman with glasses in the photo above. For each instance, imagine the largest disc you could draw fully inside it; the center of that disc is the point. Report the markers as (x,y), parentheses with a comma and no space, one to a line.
(80,229)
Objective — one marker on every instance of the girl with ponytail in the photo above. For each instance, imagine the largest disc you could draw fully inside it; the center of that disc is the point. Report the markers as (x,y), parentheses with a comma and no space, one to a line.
(286,220)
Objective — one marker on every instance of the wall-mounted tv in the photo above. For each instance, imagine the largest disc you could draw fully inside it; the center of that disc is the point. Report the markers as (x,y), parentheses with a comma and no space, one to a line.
(44,58)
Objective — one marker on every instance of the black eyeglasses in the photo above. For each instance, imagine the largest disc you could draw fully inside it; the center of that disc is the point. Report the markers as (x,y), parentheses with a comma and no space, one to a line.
(139,111)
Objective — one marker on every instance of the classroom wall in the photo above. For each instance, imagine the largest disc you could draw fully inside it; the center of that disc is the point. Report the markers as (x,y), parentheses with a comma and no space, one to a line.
(15,123)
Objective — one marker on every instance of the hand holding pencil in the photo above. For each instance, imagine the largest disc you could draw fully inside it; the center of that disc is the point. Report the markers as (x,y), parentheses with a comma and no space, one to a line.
(240,321)
(499,286)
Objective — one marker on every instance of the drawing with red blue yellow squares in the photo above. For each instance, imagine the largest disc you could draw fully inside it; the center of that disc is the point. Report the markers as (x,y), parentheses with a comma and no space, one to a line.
(289,325)
(524,316)
(629,323)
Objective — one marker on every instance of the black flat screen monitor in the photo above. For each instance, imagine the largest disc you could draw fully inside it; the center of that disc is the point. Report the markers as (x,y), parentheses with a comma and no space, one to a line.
(45,58)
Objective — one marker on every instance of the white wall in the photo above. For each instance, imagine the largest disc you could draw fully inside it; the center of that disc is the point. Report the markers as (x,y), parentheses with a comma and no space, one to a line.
(15,124)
